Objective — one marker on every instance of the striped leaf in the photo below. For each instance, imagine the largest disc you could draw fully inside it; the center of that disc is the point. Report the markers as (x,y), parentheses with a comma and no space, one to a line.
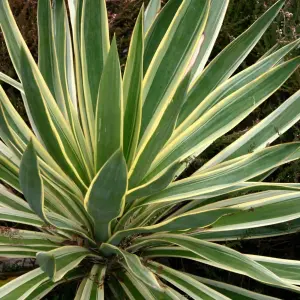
(132,287)
(185,283)
(133,265)
(5,78)
(8,199)
(287,270)
(232,191)
(264,133)
(4,150)
(252,233)
(284,268)
(56,263)
(247,167)
(38,110)
(154,186)
(94,51)
(214,22)
(268,211)
(232,291)
(9,172)
(132,84)
(22,135)
(31,182)
(33,188)
(48,61)
(150,13)
(109,110)
(234,84)
(228,258)
(160,136)
(157,31)
(225,64)
(59,131)
(25,238)
(103,203)
(21,287)
(171,62)
(93,286)
(224,116)
(47,286)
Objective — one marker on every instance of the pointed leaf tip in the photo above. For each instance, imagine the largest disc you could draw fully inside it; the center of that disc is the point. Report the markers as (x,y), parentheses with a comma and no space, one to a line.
(46,262)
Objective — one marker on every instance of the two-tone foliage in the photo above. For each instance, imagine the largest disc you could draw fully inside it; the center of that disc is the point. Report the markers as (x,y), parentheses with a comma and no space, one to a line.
(98,163)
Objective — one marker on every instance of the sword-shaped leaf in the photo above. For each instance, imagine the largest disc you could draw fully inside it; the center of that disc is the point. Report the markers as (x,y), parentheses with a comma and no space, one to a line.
(103,202)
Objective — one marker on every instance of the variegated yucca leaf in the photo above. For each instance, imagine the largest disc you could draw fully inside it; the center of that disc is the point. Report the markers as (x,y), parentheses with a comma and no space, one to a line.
(91,183)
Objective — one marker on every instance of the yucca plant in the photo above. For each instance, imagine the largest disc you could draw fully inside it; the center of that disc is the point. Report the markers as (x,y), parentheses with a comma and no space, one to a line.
(99,164)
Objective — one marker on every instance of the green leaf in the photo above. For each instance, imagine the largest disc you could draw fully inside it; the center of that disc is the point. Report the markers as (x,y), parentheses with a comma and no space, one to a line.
(157,31)
(226,174)
(224,257)
(287,270)
(252,233)
(133,288)
(232,291)
(195,219)
(233,84)
(103,202)
(152,10)
(154,186)
(224,116)
(37,108)
(25,238)
(267,211)
(94,285)
(64,54)
(8,199)
(20,132)
(262,134)
(9,154)
(225,64)
(94,51)
(56,263)
(9,172)
(23,286)
(109,110)
(284,268)
(59,130)
(94,48)
(171,62)
(47,286)
(132,85)
(185,283)
(48,63)
(31,182)
(160,136)
(5,78)
(214,22)
(232,191)
(133,264)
